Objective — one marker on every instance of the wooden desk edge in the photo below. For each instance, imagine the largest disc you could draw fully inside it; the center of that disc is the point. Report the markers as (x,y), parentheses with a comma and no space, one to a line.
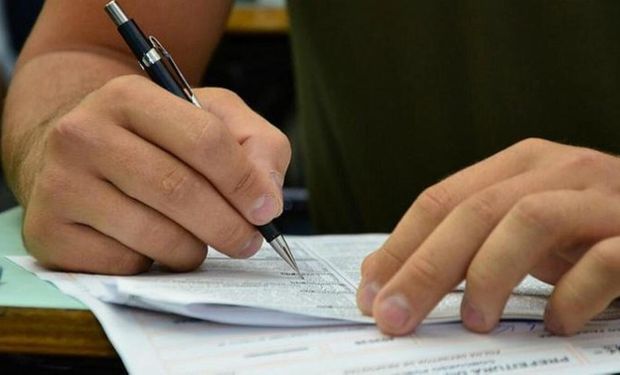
(52,331)
(253,19)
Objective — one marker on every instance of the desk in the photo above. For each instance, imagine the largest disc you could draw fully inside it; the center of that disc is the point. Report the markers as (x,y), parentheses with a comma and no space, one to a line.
(253,19)
(35,318)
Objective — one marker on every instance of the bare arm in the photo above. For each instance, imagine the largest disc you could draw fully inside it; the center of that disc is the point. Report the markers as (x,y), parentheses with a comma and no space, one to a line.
(74,49)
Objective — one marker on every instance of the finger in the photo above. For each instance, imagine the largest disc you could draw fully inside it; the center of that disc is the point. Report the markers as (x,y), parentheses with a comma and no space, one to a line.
(133,224)
(88,251)
(551,268)
(432,207)
(152,176)
(534,228)
(266,145)
(586,290)
(197,137)
(440,263)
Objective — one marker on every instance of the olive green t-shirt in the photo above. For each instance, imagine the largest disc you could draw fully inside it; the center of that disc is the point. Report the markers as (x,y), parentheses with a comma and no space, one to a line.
(395,95)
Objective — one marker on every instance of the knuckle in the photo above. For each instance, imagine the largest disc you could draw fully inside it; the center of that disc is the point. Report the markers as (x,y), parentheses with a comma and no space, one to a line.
(393,255)
(226,96)
(436,201)
(483,207)
(526,153)
(586,160)
(532,211)
(122,88)
(424,272)
(69,129)
(282,144)
(245,181)
(177,185)
(380,266)
(210,140)
(532,144)
(607,257)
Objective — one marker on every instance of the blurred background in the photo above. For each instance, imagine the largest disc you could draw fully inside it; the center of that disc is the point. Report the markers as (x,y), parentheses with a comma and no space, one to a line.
(253,59)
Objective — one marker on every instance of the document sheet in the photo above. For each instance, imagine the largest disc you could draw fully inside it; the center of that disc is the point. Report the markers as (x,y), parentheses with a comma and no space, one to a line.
(264,291)
(158,343)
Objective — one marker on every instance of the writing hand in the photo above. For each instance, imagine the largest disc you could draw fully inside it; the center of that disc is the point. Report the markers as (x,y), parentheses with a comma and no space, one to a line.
(537,207)
(133,174)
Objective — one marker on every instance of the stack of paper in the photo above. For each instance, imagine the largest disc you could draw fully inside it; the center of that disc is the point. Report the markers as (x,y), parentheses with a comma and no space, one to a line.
(262,291)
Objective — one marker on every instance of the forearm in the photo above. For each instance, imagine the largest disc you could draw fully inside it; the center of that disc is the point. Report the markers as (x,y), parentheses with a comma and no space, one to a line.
(73,50)
(43,89)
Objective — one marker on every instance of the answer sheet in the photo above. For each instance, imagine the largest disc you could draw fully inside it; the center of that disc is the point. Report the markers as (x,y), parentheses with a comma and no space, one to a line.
(264,291)
(157,343)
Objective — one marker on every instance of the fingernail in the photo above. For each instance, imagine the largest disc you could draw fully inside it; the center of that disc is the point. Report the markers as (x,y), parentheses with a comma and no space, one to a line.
(367,296)
(265,209)
(252,246)
(473,317)
(394,312)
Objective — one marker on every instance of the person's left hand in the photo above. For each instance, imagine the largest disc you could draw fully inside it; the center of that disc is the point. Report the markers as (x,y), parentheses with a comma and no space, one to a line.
(537,207)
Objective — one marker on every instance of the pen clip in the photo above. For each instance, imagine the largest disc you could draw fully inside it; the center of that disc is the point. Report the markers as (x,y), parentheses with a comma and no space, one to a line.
(186,87)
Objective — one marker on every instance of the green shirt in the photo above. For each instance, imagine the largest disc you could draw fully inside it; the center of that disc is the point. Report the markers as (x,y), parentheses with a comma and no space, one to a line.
(395,95)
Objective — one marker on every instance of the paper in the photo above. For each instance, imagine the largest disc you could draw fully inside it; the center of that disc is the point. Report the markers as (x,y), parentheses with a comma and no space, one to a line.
(156,343)
(264,291)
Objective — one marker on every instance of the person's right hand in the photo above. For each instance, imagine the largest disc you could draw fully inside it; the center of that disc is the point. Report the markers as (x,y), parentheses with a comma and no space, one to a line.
(133,174)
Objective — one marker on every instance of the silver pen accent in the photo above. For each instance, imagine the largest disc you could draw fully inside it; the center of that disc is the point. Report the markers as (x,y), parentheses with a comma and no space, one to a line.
(281,247)
(116,13)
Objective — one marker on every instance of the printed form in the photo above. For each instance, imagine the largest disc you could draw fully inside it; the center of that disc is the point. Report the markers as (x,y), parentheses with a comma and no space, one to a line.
(157,343)
(263,291)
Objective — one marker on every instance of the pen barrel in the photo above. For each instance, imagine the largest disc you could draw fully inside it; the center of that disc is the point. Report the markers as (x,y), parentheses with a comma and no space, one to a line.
(269,231)
(140,46)
(135,39)
(161,75)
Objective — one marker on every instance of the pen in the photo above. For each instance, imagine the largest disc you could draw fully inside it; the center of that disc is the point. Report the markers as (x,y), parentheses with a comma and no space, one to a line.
(162,69)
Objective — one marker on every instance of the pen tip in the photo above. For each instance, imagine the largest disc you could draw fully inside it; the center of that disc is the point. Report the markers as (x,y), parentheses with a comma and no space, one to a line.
(281,247)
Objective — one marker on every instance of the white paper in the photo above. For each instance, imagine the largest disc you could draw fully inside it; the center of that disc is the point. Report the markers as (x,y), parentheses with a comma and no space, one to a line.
(264,291)
(156,343)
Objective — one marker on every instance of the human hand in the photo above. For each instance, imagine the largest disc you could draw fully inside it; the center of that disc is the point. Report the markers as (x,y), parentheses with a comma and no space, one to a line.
(537,207)
(133,174)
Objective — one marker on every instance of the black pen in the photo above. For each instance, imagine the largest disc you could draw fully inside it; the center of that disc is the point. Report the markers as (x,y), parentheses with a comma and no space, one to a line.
(162,69)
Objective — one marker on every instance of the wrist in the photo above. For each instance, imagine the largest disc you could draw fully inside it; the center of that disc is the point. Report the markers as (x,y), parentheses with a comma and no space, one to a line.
(22,159)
